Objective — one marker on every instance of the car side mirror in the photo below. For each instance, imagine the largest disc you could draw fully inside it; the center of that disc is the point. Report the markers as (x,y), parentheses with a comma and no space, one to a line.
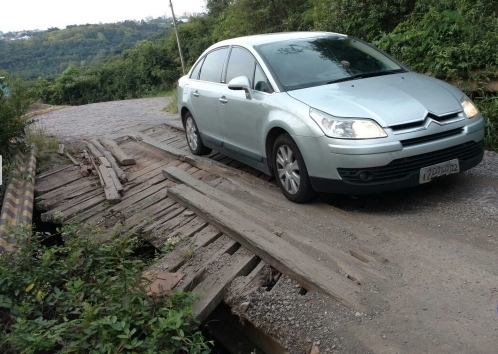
(241,83)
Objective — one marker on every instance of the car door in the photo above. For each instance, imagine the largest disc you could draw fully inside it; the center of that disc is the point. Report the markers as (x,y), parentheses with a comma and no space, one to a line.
(242,118)
(205,90)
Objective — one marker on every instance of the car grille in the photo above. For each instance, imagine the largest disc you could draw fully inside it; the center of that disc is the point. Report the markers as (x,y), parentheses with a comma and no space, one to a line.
(432,137)
(421,123)
(401,168)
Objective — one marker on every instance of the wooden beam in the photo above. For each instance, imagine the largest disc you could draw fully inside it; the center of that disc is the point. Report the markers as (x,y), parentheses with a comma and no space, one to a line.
(123,158)
(73,160)
(280,254)
(213,288)
(111,192)
(171,151)
(104,153)
(345,263)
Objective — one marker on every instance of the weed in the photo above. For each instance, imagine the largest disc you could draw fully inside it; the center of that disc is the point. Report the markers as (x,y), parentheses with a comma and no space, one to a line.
(88,296)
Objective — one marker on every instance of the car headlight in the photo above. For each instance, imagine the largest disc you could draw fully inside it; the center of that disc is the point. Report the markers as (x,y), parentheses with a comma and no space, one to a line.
(347,128)
(469,108)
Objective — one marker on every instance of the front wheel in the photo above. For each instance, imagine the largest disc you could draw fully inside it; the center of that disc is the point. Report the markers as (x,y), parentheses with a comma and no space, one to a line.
(193,137)
(290,170)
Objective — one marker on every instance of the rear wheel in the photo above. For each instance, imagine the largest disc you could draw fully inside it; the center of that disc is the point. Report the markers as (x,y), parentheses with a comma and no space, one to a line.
(193,137)
(290,170)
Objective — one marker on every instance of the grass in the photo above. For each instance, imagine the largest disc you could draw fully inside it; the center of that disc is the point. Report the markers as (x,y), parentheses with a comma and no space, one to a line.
(46,146)
(172,106)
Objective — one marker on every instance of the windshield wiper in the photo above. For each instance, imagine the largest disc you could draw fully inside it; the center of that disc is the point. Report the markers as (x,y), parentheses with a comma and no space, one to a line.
(366,75)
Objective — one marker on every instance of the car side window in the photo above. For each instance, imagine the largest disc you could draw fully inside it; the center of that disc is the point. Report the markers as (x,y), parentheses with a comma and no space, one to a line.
(213,65)
(241,63)
(261,82)
(197,70)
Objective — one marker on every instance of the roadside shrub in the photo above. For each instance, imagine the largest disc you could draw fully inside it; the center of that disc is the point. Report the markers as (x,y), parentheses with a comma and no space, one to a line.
(88,296)
(11,110)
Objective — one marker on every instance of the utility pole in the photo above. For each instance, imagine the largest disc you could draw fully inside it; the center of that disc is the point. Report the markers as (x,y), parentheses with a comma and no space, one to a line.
(177,37)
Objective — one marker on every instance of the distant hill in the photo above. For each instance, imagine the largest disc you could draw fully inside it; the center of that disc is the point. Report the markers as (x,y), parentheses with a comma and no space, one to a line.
(35,54)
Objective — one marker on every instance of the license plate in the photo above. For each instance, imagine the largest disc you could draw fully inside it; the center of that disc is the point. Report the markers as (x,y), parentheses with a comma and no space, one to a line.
(440,169)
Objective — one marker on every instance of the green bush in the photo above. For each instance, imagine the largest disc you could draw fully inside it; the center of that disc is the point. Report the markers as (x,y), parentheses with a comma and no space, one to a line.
(88,296)
(11,110)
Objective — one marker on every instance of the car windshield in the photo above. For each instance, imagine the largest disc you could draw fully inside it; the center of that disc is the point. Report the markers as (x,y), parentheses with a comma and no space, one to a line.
(324,60)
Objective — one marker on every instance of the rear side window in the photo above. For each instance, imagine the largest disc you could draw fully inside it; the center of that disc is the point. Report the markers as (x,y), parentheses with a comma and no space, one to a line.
(213,65)
(197,70)
(241,63)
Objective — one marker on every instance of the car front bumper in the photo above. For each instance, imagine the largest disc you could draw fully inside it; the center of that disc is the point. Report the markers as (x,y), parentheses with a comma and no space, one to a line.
(393,164)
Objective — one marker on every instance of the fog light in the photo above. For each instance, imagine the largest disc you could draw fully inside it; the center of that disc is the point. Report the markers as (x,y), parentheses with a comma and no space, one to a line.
(366,176)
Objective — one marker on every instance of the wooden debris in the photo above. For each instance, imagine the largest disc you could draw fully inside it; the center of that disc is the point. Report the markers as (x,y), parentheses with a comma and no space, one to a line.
(94,151)
(117,152)
(61,149)
(73,160)
(104,161)
(213,288)
(280,254)
(347,264)
(174,152)
(111,192)
(102,151)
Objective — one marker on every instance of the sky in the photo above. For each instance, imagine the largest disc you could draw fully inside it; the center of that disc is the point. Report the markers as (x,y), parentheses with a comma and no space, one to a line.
(18,15)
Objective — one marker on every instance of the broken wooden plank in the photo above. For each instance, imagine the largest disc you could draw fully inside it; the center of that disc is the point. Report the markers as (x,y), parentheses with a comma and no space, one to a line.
(57,181)
(111,192)
(94,151)
(48,204)
(346,264)
(104,161)
(213,288)
(104,153)
(73,160)
(174,152)
(65,212)
(280,254)
(53,171)
(115,180)
(175,259)
(180,232)
(123,158)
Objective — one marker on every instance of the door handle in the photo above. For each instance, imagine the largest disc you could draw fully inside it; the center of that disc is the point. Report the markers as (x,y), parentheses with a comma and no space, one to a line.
(196,93)
(223,99)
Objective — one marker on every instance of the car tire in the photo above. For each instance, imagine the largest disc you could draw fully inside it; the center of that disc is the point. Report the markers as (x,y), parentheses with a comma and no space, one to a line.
(290,170)
(194,141)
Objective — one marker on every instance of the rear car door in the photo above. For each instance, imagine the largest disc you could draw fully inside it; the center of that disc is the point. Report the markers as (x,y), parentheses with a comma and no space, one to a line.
(205,90)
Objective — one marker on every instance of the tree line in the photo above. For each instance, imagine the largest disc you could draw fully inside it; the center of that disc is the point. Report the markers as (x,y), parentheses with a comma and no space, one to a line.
(454,40)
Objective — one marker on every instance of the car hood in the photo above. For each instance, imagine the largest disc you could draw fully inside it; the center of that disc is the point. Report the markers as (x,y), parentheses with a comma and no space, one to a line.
(390,100)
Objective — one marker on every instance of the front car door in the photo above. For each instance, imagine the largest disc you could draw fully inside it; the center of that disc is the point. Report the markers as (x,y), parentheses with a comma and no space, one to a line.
(242,118)
(205,89)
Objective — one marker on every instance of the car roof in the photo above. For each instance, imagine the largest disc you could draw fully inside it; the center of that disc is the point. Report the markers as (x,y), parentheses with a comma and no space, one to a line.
(260,39)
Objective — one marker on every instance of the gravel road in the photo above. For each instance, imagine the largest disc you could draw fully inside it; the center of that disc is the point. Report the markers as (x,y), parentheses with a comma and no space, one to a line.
(113,119)
(436,246)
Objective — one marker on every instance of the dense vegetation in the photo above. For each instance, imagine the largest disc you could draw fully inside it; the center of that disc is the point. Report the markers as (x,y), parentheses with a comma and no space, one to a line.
(11,125)
(51,52)
(88,296)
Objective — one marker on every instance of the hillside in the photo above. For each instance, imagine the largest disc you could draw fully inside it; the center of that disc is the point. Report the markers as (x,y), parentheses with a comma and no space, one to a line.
(40,53)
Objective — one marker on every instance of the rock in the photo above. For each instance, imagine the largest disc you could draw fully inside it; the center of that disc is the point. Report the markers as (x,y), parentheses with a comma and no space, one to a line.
(244,306)
(314,349)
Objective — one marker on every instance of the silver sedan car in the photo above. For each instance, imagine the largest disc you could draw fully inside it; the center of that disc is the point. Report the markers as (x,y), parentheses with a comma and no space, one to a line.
(325,112)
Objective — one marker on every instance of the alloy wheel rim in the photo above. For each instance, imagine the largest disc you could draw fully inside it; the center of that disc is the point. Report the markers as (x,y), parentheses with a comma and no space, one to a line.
(288,169)
(192,137)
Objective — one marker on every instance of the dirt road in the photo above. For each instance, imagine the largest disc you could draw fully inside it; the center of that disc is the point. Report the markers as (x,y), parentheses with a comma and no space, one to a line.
(436,247)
